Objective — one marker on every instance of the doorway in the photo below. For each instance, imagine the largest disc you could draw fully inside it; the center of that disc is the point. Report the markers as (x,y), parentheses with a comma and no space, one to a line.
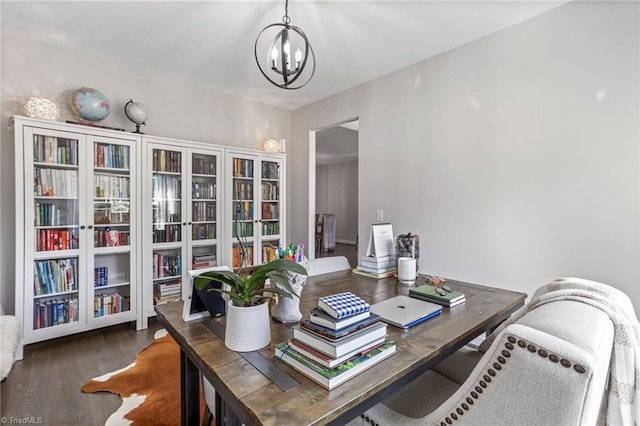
(333,188)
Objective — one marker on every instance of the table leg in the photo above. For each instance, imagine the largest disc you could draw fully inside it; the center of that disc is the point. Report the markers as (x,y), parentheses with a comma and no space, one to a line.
(189,391)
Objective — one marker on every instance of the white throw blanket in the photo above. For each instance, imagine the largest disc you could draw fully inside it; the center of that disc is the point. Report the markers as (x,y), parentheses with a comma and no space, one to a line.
(623,406)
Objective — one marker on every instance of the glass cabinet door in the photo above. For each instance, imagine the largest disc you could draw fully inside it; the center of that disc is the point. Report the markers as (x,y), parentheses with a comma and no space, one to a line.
(55,235)
(243,212)
(112,217)
(167,223)
(270,209)
(204,210)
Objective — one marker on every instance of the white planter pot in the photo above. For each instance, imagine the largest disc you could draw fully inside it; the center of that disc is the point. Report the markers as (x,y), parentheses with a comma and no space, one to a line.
(248,328)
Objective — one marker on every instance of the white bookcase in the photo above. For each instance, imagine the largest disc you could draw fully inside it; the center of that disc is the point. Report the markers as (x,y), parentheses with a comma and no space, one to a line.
(77,240)
(256,213)
(182,217)
(110,223)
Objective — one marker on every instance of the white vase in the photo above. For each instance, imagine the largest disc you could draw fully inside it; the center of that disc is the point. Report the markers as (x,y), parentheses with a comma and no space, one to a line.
(248,328)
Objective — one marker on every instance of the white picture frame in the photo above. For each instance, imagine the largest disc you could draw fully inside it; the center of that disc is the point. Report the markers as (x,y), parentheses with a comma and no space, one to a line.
(189,310)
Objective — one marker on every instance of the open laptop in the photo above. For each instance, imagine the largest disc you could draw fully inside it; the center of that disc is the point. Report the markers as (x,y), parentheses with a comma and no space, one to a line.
(405,311)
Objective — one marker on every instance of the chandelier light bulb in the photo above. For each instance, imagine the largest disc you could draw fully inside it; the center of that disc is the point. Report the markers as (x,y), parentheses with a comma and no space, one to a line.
(274,54)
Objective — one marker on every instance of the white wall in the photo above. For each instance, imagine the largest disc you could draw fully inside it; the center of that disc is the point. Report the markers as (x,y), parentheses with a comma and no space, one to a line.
(175,109)
(337,193)
(515,157)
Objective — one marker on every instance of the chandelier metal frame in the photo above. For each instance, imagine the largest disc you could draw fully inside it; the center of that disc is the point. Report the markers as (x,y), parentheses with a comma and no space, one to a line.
(281,41)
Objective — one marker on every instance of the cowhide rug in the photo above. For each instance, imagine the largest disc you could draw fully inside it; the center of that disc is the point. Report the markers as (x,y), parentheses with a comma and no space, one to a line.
(149,387)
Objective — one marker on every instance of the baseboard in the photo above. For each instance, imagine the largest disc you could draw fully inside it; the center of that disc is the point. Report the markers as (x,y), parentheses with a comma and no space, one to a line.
(349,242)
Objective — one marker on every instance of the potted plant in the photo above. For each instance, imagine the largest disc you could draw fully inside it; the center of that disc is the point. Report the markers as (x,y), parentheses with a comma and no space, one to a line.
(248,326)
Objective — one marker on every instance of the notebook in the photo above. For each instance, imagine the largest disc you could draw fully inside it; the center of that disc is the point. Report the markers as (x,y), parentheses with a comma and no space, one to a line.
(405,311)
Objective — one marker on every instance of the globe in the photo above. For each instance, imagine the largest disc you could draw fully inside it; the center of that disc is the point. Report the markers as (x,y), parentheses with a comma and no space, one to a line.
(90,105)
(137,113)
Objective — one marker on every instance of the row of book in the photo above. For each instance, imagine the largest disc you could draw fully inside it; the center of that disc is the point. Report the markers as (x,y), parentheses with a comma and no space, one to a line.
(49,214)
(110,303)
(167,265)
(47,313)
(204,231)
(204,165)
(270,170)
(270,191)
(111,238)
(203,190)
(203,210)
(340,339)
(108,186)
(53,150)
(167,161)
(243,191)
(111,156)
(56,183)
(55,276)
(242,167)
(167,233)
(100,276)
(56,239)
(377,267)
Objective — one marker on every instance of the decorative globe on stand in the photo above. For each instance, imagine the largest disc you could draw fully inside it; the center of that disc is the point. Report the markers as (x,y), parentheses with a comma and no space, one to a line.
(90,105)
(136,113)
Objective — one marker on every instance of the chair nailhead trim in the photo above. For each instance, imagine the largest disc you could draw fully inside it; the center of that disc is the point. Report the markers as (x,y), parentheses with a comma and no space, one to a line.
(501,360)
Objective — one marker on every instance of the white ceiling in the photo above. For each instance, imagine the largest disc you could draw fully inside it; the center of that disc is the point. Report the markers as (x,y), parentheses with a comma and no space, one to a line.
(211,43)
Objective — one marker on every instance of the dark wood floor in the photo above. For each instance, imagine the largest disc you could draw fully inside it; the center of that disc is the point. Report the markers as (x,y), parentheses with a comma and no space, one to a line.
(347,250)
(47,382)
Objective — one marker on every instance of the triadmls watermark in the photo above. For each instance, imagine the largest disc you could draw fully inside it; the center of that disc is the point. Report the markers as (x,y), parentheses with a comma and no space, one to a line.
(25,420)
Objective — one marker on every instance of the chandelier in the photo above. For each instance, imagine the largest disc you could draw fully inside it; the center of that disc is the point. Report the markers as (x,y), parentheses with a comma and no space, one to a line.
(278,66)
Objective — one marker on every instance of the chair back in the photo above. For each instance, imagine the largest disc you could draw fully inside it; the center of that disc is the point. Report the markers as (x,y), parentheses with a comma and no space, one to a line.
(325,265)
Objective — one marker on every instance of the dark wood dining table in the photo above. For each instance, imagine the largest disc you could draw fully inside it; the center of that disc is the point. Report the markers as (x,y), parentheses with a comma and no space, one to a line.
(257,389)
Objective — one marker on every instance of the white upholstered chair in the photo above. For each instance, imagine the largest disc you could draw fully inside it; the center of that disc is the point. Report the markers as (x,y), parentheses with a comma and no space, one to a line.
(551,366)
(325,265)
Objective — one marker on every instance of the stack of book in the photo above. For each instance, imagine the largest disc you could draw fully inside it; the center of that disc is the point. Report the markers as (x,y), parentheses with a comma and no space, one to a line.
(340,339)
(430,294)
(167,292)
(377,267)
